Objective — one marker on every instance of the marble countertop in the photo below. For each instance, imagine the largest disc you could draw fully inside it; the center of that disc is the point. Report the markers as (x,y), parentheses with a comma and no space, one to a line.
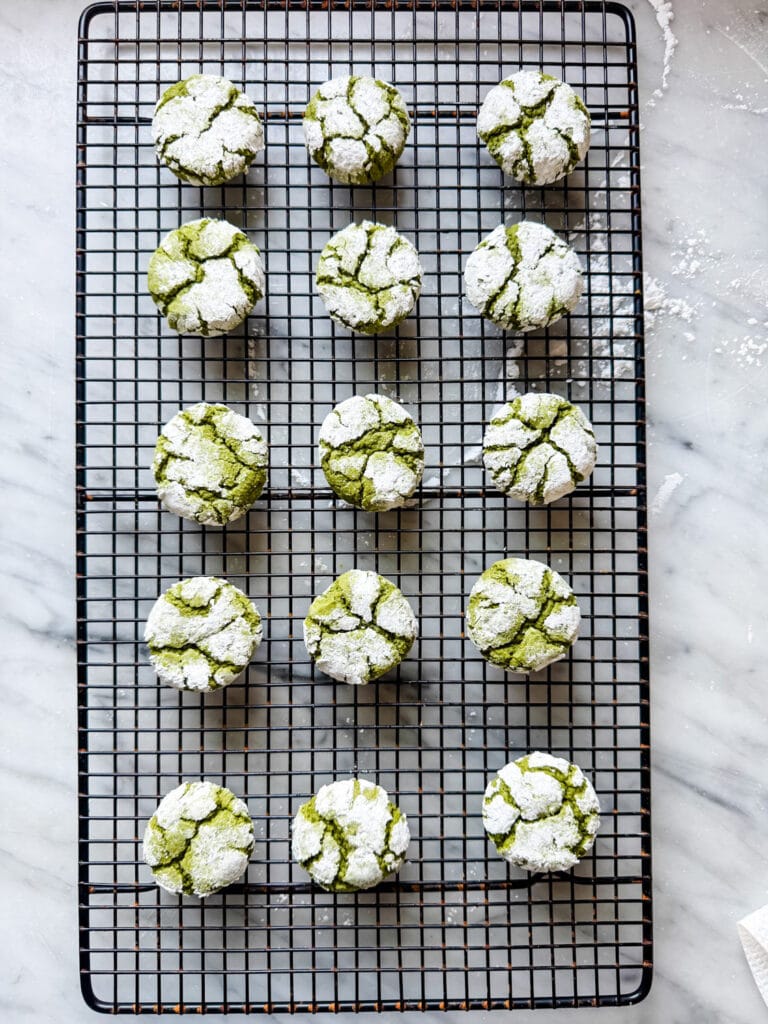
(704,89)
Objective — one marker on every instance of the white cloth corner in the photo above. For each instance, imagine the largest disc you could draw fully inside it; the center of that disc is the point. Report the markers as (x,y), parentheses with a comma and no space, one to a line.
(753,932)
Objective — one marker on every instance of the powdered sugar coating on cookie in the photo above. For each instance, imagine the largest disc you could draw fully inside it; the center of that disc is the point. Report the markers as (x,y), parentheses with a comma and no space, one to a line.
(371,452)
(538,447)
(350,836)
(523,277)
(359,628)
(369,277)
(210,464)
(206,130)
(535,127)
(201,634)
(199,839)
(355,128)
(522,615)
(541,813)
(205,277)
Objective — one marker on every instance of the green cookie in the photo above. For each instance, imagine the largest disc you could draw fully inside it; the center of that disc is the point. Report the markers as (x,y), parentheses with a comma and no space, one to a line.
(371,452)
(350,836)
(541,813)
(522,615)
(199,839)
(205,277)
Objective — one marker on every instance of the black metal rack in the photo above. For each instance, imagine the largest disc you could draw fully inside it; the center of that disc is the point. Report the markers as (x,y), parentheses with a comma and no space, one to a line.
(458,929)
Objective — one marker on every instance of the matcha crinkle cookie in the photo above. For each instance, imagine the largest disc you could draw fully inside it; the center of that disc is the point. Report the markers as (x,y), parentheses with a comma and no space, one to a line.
(522,615)
(541,813)
(359,628)
(205,277)
(199,839)
(201,634)
(535,127)
(371,452)
(538,447)
(355,128)
(210,464)
(350,836)
(523,277)
(206,130)
(369,277)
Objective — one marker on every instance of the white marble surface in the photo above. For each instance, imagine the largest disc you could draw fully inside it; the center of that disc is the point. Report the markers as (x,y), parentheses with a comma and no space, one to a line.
(705,218)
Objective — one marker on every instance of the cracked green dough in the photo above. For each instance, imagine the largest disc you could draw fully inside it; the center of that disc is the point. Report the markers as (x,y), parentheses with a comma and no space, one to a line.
(522,615)
(201,634)
(538,447)
(535,127)
(541,813)
(206,130)
(350,836)
(210,464)
(355,128)
(523,277)
(205,277)
(371,452)
(199,839)
(359,628)
(369,277)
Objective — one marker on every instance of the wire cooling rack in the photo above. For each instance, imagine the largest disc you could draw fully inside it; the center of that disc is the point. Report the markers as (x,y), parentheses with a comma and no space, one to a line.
(458,928)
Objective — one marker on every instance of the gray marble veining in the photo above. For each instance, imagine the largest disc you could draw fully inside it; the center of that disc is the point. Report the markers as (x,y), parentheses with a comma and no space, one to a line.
(703,141)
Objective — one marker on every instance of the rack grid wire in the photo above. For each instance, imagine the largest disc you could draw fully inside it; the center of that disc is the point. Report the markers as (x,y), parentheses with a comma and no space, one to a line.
(459,928)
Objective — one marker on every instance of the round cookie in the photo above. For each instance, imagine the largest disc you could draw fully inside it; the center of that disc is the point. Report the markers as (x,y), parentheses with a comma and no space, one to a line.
(522,615)
(535,127)
(539,447)
(359,628)
(210,464)
(371,452)
(199,839)
(541,813)
(201,634)
(369,277)
(355,128)
(206,130)
(350,836)
(523,277)
(205,277)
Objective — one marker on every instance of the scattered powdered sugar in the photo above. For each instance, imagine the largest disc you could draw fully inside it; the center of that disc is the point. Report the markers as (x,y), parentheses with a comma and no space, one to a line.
(301,477)
(664,16)
(473,456)
(669,485)
(658,305)
(747,104)
(748,350)
(694,255)
(509,372)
